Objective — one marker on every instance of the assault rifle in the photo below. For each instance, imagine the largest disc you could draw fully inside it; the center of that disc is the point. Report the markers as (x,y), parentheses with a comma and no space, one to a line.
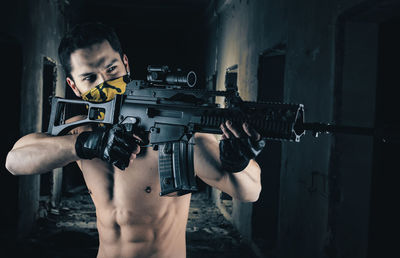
(171,110)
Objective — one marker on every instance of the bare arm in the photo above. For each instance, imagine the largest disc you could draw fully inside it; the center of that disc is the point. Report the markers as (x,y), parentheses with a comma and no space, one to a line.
(244,186)
(39,152)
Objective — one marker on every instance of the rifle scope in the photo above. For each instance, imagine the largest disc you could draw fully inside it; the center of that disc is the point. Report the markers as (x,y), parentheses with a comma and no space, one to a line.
(162,74)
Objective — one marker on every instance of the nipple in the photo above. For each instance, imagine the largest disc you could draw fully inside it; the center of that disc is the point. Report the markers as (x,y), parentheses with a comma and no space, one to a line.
(148,189)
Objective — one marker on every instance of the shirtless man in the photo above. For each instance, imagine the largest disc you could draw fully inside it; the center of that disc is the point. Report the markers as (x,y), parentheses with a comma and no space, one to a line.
(132,219)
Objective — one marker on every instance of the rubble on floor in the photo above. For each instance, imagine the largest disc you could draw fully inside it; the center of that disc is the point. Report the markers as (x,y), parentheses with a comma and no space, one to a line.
(209,234)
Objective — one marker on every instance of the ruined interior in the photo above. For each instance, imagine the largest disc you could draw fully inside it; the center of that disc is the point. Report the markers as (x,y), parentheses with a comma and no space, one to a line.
(327,196)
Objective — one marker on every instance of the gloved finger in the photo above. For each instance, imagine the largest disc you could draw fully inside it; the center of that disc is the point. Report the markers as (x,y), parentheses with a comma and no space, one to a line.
(234,129)
(246,148)
(121,164)
(251,132)
(231,156)
(137,150)
(227,134)
(128,141)
(121,130)
(134,147)
(122,142)
(119,153)
(137,138)
(133,138)
(132,151)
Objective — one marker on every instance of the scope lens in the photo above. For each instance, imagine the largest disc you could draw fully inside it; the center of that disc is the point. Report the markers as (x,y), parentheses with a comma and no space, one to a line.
(191,79)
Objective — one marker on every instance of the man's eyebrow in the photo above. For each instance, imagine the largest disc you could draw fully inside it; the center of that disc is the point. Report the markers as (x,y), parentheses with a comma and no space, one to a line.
(85,74)
(107,66)
(111,63)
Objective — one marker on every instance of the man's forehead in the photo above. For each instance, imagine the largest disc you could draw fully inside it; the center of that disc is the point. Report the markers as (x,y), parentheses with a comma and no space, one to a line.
(97,55)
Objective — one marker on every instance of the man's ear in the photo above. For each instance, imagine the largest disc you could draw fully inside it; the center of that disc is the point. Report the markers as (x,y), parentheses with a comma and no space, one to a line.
(126,63)
(72,84)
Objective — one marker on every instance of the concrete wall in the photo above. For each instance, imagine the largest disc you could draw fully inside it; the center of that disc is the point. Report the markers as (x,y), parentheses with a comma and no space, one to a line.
(312,221)
(238,33)
(38,27)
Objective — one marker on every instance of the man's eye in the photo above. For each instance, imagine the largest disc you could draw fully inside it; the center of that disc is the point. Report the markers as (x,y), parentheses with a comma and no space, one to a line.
(112,68)
(90,78)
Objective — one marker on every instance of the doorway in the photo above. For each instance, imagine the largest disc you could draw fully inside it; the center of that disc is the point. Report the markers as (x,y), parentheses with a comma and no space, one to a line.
(384,223)
(265,216)
(10,74)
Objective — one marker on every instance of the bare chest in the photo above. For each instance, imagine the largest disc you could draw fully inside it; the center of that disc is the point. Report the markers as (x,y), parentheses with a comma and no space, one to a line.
(109,184)
(135,189)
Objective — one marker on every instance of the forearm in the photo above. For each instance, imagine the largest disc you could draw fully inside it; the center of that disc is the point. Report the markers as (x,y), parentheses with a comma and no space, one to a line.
(244,186)
(38,153)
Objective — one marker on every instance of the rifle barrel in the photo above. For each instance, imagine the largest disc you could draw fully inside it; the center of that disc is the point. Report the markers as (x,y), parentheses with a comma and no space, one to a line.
(329,128)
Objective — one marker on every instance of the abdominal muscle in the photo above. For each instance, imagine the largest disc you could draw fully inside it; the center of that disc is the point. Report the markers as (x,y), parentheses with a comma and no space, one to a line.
(132,219)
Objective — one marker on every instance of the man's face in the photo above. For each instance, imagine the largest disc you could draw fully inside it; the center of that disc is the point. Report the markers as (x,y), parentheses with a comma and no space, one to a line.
(94,65)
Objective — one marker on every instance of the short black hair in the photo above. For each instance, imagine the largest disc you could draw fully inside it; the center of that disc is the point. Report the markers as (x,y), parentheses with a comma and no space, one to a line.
(82,36)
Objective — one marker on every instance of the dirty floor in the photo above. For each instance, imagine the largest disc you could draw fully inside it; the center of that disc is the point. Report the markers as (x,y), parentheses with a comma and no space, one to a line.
(70,232)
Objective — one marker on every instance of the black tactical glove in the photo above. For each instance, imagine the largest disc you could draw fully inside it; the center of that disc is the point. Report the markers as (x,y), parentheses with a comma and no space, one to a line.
(236,153)
(113,145)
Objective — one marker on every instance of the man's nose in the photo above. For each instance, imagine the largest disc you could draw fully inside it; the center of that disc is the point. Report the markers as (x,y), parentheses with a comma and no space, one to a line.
(104,77)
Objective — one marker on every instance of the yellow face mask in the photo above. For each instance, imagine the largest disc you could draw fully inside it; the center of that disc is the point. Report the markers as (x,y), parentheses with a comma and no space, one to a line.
(107,90)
